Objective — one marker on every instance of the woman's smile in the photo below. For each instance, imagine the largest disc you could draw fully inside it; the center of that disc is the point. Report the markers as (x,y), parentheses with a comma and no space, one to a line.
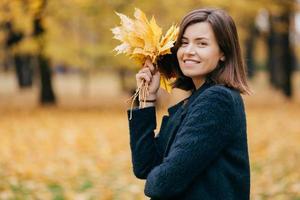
(190,61)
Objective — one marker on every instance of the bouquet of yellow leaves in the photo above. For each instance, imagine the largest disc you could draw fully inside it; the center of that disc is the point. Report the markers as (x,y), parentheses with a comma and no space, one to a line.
(142,39)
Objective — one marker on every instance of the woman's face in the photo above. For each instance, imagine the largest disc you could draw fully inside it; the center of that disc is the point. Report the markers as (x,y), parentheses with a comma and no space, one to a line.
(199,52)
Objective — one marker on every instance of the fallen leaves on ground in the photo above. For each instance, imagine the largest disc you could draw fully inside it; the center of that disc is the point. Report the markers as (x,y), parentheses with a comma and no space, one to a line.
(83,153)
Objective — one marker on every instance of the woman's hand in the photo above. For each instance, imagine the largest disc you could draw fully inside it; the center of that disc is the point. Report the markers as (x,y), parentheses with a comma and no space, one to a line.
(151,76)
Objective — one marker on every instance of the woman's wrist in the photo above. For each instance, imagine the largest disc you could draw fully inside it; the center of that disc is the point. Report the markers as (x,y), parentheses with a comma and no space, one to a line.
(148,99)
(146,104)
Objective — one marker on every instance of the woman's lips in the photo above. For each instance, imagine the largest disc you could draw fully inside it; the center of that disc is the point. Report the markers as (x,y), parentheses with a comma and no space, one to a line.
(190,61)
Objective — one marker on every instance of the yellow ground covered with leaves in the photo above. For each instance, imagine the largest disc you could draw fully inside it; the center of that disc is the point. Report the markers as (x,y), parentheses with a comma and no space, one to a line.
(82,153)
(76,154)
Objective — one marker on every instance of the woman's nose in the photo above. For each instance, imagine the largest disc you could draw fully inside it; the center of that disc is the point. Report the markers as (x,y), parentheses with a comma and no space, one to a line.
(190,49)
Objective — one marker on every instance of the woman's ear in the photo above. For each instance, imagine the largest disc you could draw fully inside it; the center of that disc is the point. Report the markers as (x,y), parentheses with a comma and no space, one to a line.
(222,58)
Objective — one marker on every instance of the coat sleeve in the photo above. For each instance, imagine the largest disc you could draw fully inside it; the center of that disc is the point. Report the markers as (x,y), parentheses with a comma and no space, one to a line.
(205,131)
(143,144)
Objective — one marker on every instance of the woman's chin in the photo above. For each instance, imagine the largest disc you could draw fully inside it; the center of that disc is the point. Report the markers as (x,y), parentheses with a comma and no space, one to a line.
(190,74)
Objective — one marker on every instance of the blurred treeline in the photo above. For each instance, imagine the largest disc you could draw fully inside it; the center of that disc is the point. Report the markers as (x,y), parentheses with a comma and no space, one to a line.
(38,37)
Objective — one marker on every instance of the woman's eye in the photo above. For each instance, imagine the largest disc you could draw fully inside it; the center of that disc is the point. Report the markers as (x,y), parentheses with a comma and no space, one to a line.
(184,43)
(202,44)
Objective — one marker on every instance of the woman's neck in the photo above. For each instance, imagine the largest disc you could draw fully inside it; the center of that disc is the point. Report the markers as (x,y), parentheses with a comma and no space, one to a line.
(198,82)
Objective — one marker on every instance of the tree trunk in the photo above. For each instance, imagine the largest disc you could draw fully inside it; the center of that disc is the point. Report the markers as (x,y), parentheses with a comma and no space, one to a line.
(24,70)
(250,45)
(280,62)
(46,90)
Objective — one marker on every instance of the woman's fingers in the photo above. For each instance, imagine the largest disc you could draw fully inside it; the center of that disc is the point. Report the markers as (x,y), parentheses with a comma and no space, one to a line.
(147,71)
(149,64)
(152,77)
(141,75)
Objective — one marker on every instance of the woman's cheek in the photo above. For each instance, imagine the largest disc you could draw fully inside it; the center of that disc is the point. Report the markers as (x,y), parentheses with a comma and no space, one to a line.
(180,52)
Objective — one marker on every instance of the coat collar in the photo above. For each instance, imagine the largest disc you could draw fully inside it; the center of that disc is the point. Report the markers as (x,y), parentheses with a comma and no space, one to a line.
(187,101)
(197,92)
(182,108)
(173,109)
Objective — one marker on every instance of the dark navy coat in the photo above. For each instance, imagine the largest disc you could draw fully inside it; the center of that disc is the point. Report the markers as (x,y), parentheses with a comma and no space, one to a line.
(200,151)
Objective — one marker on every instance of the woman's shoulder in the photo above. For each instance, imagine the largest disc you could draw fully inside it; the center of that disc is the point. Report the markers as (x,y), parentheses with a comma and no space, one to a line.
(220,93)
(222,90)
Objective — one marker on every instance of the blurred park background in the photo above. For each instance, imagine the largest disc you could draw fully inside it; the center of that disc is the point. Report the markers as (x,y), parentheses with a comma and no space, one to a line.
(63,92)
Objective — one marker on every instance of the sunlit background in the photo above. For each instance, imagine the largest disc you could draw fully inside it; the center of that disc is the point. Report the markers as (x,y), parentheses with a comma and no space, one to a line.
(63,124)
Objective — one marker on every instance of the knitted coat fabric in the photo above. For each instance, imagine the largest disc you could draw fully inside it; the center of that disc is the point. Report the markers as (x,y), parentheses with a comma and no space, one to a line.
(200,151)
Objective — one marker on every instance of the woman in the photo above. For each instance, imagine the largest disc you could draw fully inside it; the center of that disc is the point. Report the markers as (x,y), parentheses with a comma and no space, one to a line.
(201,150)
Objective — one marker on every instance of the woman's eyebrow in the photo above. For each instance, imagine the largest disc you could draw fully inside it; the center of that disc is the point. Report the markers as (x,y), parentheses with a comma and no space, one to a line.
(201,38)
(197,38)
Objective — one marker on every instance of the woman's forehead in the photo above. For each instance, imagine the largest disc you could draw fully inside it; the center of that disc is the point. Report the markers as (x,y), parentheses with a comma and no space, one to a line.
(200,30)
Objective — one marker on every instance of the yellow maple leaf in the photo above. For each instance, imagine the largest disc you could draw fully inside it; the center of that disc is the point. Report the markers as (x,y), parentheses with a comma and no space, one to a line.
(142,39)
(165,84)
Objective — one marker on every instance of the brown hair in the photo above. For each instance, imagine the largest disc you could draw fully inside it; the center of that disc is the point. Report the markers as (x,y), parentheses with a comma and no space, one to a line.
(231,72)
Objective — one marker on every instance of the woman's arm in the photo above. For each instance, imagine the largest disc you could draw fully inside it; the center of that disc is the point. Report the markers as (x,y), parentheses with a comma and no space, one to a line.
(144,150)
(143,123)
(206,130)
